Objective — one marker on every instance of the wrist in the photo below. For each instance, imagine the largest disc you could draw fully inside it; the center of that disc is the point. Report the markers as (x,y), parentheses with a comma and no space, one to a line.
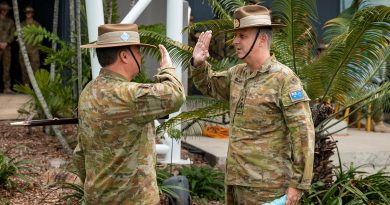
(195,63)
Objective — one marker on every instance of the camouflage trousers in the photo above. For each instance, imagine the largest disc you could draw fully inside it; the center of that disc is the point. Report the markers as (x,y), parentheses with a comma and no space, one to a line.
(5,57)
(34,61)
(242,195)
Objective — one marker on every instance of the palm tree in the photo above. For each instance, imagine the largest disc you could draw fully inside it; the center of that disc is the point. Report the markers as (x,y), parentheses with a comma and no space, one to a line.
(33,81)
(342,74)
(55,28)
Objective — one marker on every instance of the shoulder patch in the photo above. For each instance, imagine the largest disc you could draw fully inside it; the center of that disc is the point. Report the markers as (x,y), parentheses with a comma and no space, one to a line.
(296,95)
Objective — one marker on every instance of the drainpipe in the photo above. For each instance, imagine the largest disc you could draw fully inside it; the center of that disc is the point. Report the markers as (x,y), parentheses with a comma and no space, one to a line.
(136,11)
(95,18)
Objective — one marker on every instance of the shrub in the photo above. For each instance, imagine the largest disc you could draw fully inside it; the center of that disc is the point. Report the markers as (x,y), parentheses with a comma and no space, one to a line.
(205,182)
(352,187)
(11,169)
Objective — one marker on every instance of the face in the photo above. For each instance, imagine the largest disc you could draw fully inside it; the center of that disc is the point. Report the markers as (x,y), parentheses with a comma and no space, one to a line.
(29,14)
(243,40)
(3,11)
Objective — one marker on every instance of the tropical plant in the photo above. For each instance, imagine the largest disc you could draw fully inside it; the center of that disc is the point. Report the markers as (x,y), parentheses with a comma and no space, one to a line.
(341,75)
(59,97)
(37,91)
(205,182)
(351,187)
(12,169)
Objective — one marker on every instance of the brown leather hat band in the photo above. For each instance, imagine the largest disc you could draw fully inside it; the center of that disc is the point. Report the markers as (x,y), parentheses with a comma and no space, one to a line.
(118,37)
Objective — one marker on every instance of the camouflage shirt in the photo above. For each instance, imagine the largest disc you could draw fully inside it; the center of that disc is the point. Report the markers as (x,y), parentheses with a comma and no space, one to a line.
(30,48)
(271,130)
(115,155)
(7,30)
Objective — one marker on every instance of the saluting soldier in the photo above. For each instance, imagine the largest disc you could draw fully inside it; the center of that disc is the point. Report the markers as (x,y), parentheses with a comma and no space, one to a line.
(271,146)
(32,50)
(7,30)
(115,155)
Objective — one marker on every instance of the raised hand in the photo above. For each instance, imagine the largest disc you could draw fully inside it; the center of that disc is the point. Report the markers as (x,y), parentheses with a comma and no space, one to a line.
(293,196)
(165,58)
(201,50)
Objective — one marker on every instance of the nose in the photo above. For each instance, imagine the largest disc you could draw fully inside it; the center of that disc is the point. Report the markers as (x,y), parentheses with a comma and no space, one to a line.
(236,40)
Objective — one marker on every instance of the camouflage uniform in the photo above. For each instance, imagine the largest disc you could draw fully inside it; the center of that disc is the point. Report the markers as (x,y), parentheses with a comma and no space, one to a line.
(33,55)
(271,132)
(115,155)
(7,30)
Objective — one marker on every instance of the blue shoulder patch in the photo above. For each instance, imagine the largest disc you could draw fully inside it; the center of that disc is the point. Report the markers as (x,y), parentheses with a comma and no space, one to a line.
(296,95)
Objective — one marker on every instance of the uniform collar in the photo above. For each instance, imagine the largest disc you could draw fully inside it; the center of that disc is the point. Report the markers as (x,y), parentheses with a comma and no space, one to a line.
(111,74)
(264,68)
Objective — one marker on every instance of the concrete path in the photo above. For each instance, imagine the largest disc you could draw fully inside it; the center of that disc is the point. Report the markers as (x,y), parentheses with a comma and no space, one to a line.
(9,105)
(370,149)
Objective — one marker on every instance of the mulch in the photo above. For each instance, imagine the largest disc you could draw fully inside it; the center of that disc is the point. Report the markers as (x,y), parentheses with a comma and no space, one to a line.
(39,148)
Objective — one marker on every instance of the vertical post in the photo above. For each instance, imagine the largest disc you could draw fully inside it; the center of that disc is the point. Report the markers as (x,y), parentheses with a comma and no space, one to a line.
(95,18)
(369,118)
(174,31)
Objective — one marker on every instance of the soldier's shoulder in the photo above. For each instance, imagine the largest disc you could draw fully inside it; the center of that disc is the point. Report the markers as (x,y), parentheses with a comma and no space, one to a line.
(282,69)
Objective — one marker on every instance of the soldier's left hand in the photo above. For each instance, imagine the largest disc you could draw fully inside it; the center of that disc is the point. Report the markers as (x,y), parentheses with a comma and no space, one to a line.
(293,196)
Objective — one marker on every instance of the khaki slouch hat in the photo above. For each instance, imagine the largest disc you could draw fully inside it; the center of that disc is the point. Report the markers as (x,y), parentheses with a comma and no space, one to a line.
(114,35)
(252,16)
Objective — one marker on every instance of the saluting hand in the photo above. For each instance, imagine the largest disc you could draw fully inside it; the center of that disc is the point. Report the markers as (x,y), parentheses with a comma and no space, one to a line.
(165,58)
(201,50)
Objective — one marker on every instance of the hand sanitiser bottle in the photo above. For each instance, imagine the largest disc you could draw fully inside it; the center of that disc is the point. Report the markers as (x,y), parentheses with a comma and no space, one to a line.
(279,201)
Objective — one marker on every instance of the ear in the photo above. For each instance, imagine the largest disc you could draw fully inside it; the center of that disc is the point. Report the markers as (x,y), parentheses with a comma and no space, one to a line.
(123,56)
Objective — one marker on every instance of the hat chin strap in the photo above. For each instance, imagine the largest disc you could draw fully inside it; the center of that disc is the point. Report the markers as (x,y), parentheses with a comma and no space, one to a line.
(132,54)
(253,44)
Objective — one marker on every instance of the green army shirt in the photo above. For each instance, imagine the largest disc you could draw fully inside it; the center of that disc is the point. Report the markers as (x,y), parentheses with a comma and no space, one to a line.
(271,132)
(115,155)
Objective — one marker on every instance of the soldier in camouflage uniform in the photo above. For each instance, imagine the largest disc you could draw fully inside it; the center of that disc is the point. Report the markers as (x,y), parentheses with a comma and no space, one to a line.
(115,156)
(7,29)
(32,50)
(271,147)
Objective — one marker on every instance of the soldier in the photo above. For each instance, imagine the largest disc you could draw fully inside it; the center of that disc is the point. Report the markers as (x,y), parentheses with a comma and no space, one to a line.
(115,156)
(6,37)
(271,147)
(32,50)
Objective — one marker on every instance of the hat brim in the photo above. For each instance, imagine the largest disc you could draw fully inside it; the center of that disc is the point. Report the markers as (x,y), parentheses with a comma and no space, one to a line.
(94,45)
(256,26)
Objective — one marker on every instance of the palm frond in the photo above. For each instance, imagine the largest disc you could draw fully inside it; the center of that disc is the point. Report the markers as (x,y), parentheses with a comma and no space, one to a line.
(224,9)
(216,109)
(216,26)
(352,58)
(299,35)
(34,35)
(340,24)
(180,53)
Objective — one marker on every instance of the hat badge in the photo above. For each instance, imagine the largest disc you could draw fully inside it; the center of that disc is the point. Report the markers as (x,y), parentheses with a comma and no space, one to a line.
(125,36)
(236,23)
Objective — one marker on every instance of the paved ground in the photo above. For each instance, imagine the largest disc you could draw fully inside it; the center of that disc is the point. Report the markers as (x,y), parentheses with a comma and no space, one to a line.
(368,149)
(9,104)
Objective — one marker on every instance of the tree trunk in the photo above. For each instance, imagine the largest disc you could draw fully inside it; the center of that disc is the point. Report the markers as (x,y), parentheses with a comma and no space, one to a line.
(54,45)
(324,146)
(79,60)
(73,42)
(109,11)
(33,80)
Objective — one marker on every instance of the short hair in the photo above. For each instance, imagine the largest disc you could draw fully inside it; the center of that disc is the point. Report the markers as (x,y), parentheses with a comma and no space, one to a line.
(108,56)
(268,32)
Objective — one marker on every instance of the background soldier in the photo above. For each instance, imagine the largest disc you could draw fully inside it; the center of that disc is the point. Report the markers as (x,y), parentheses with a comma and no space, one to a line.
(271,145)
(115,155)
(32,50)
(7,29)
